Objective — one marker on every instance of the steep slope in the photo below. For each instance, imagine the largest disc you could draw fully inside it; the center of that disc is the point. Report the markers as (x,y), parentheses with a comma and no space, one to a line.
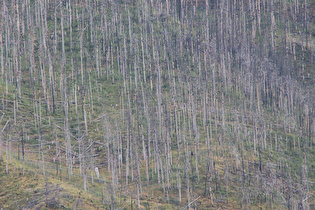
(200,104)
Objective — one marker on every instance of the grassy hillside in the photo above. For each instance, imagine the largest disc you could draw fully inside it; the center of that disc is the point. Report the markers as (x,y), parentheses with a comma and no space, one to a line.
(177,104)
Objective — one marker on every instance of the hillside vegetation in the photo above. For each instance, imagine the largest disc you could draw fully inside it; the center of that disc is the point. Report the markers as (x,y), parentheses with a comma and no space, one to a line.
(163,104)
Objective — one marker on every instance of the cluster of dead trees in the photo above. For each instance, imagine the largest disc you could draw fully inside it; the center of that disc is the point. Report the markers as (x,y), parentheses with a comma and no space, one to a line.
(202,98)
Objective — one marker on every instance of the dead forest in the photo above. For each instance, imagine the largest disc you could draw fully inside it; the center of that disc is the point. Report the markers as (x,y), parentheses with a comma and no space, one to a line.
(157,104)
